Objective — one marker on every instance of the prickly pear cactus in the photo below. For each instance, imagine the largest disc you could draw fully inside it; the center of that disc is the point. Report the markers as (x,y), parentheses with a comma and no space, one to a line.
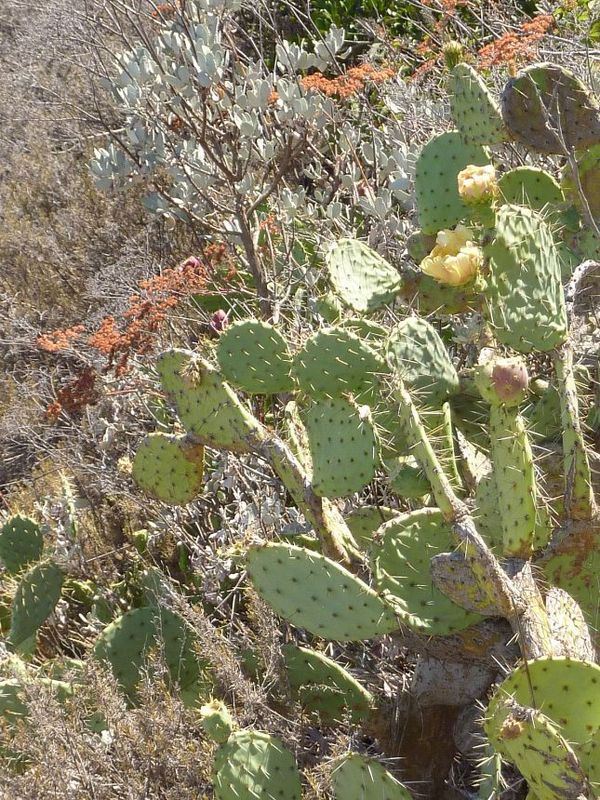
(355,777)
(37,595)
(253,764)
(254,357)
(474,110)
(363,279)
(21,543)
(171,468)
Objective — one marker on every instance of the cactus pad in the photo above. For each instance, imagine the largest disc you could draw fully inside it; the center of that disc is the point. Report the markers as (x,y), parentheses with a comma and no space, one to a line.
(126,641)
(417,353)
(336,361)
(206,405)
(252,765)
(36,597)
(321,684)
(406,478)
(436,185)
(530,186)
(525,298)
(360,276)
(255,357)
(401,566)
(170,468)
(21,542)
(474,110)
(588,170)
(313,592)
(547,108)
(364,521)
(563,689)
(358,777)
(343,446)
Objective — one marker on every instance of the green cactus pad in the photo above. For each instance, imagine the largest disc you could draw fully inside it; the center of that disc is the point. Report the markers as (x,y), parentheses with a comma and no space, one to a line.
(321,684)
(588,171)
(357,777)
(474,110)
(360,276)
(530,186)
(436,184)
(336,361)
(21,542)
(255,357)
(206,405)
(255,765)
(125,643)
(216,720)
(545,99)
(525,295)
(401,567)
(574,567)
(36,597)
(313,592)
(364,521)
(170,468)
(564,689)
(534,743)
(343,446)
(370,332)
(417,354)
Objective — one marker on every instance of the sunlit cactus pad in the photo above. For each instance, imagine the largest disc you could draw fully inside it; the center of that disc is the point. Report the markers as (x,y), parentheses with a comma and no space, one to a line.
(418,355)
(337,361)
(254,357)
(253,765)
(436,185)
(358,777)
(207,406)
(360,276)
(474,110)
(530,186)
(170,468)
(311,591)
(342,444)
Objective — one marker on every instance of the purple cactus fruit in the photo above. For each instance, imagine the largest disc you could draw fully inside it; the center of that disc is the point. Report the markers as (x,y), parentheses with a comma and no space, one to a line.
(510,379)
(192,262)
(219,321)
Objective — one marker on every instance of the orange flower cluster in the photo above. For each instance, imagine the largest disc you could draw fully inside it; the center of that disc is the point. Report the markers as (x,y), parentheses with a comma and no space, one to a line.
(165,10)
(146,312)
(60,339)
(346,85)
(75,395)
(519,45)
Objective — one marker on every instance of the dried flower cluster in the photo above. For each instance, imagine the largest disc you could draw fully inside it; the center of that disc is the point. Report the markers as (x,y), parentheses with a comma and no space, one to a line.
(74,396)
(60,339)
(350,83)
(516,46)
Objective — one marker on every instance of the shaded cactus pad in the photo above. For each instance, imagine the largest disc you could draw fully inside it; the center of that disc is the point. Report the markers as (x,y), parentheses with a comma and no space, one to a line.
(255,765)
(254,357)
(170,468)
(313,592)
(36,597)
(321,684)
(401,562)
(21,542)
(530,186)
(360,276)
(547,108)
(125,643)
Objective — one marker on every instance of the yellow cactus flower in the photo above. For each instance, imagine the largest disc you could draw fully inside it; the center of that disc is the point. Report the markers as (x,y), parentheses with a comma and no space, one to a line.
(455,258)
(477,184)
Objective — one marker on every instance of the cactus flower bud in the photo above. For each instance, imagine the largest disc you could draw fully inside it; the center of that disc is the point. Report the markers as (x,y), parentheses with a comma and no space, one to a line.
(477,184)
(455,258)
(453,53)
